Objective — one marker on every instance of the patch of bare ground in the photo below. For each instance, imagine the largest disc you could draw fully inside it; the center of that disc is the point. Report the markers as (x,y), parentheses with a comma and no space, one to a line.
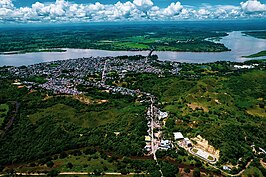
(203,144)
(82,98)
(195,106)
(263,163)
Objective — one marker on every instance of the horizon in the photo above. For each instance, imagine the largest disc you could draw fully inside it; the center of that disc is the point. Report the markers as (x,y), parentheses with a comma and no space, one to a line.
(256,22)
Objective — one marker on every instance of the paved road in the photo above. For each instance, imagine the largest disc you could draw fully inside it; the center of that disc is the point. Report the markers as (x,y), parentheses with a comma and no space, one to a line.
(153,114)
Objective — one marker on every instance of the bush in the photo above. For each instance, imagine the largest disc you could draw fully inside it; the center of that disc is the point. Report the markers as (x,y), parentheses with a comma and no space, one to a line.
(124,171)
(50,164)
(53,173)
(187,170)
(69,165)
(196,172)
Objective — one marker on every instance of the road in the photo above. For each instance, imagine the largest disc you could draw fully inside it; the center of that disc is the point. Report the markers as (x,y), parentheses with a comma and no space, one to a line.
(11,120)
(153,114)
(228,174)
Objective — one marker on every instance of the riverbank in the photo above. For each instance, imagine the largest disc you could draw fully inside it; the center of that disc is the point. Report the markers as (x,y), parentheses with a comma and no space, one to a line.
(239,44)
(32,51)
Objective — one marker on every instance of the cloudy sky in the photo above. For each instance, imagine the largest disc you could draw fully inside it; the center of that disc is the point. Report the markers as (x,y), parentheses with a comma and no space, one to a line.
(64,11)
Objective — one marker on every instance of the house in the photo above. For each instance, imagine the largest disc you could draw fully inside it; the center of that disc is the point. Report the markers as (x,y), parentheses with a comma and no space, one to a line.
(187,142)
(148,147)
(162,115)
(147,138)
(165,144)
(178,136)
(226,168)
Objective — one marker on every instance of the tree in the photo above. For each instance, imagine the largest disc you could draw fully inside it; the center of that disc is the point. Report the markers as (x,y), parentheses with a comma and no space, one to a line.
(1,168)
(124,171)
(97,172)
(169,170)
(69,165)
(53,173)
(50,164)
(256,174)
(187,170)
(196,172)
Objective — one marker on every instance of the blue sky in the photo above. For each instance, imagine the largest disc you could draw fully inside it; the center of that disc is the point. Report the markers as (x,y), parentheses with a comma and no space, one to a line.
(79,11)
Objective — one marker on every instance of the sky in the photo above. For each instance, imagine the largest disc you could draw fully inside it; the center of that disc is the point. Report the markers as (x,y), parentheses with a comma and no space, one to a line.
(79,11)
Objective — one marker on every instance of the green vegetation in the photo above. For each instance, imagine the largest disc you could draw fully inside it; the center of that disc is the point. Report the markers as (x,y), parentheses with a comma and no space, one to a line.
(32,50)
(61,123)
(195,150)
(255,169)
(210,158)
(257,34)
(4,108)
(131,37)
(226,124)
(224,105)
(259,54)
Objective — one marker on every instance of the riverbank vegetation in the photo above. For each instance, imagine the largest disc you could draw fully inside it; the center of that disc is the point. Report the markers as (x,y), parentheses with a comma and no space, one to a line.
(257,34)
(137,37)
(259,54)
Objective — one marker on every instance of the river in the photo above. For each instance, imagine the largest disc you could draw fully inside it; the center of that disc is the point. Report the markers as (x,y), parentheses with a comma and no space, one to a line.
(240,45)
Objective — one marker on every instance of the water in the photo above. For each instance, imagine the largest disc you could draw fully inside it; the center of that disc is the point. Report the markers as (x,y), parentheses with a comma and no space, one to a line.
(239,44)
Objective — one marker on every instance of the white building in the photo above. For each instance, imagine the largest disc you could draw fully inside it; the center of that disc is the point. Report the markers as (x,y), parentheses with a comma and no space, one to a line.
(165,144)
(162,115)
(178,136)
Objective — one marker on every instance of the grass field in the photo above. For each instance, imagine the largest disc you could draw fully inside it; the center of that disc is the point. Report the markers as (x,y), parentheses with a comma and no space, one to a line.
(85,163)
(61,112)
(253,171)
(257,111)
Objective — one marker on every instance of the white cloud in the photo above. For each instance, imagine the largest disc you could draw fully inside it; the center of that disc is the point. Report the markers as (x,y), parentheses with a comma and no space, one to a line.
(64,11)
(143,4)
(253,6)
(6,4)
(173,9)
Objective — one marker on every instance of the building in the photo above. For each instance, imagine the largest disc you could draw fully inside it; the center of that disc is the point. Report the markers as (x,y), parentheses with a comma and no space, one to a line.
(148,147)
(147,138)
(162,115)
(187,142)
(226,168)
(178,136)
(165,144)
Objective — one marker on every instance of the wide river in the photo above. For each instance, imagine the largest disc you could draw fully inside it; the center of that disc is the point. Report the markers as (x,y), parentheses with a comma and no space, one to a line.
(240,45)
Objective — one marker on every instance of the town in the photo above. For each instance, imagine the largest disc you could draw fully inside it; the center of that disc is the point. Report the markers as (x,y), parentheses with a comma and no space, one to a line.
(65,76)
